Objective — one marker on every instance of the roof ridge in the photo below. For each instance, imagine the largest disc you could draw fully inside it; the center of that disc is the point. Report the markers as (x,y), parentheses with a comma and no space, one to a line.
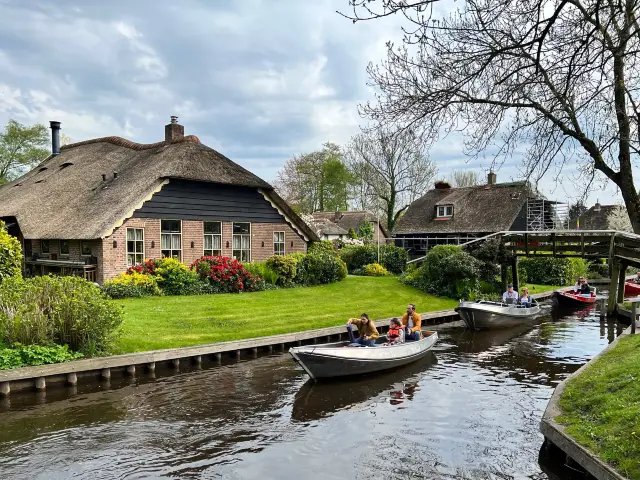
(123,142)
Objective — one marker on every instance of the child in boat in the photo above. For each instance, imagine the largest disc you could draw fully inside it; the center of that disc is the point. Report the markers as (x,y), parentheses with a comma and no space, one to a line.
(395,335)
(524,298)
(585,289)
(366,328)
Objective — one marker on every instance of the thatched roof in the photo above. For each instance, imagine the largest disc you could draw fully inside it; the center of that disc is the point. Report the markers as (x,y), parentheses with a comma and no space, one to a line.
(479,209)
(327,227)
(65,197)
(352,219)
(596,218)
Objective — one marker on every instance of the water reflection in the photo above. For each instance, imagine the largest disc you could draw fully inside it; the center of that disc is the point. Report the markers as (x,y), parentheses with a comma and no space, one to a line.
(471,409)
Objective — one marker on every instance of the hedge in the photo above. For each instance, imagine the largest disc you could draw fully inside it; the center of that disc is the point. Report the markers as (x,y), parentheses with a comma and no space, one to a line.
(10,255)
(393,258)
(548,270)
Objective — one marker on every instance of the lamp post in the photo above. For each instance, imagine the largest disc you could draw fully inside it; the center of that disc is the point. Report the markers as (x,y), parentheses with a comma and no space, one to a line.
(378,235)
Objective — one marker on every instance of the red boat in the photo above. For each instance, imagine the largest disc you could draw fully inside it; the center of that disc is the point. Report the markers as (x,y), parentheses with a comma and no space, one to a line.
(631,289)
(569,298)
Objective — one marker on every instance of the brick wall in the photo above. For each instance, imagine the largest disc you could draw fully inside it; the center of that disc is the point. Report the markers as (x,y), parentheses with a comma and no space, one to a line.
(113,261)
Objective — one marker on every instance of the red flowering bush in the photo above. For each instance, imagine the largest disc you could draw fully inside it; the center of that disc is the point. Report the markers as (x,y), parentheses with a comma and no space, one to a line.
(227,275)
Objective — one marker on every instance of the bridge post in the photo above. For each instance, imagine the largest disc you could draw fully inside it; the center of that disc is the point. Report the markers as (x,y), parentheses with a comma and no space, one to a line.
(613,287)
(621,279)
(514,273)
(504,276)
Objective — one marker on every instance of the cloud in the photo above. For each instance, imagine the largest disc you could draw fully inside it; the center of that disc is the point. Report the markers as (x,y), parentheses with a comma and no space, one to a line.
(258,80)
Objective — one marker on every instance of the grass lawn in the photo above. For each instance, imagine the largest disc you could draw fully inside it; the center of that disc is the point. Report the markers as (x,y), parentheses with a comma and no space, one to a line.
(167,322)
(601,407)
(536,288)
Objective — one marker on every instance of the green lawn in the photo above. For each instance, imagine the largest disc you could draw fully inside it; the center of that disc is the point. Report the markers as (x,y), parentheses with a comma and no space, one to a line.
(601,407)
(166,322)
(536,288)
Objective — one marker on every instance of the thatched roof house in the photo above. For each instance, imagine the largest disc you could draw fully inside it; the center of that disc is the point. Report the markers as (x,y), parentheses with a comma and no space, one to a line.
(598,217)
(454,215)
(352,219)
(90,190)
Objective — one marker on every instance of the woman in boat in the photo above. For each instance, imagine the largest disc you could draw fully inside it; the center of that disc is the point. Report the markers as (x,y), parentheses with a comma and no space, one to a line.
(576,287)
(585,289)
(637,279)
(395,335)
(366,328)
(524,298)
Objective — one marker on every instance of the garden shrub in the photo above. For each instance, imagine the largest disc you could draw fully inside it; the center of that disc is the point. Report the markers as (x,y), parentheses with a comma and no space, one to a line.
(392,258)
(598,269)
(32,355)
(58,310)
(260,269)
(375,270)
(285,268)
(365,232)
(131,285)
(548,270)
(323,246)
(447,271)
(320,270)
(226,275)
(10,255)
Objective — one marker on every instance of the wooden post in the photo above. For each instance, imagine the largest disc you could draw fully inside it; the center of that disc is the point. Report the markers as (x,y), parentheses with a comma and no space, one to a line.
(105,373)
(72,378)
(603,308)
(131,370)
(514,273)
(5,388)
(621,279)
(40,383)
(175,363)
(504,276)
(613,285)
(197,359)
(634,316)
(151,367)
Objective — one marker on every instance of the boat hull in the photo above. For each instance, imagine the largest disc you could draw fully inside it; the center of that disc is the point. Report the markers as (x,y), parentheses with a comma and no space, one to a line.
(327,361)
(493,315)
(631,289)
(569,299)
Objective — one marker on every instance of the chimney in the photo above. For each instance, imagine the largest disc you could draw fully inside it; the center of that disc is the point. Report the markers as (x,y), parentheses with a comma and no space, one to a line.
(55,137)
(491,178)
(597,207)
(173,132)
(337,216)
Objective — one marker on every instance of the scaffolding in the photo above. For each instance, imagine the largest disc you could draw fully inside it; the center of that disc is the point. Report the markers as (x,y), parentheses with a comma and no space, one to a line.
(547,215)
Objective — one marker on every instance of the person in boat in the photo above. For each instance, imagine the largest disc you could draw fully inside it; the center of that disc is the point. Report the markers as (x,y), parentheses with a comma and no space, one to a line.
(576,287)
(412,323)
(510,294)
(524,298)
(395,335)
(585,289)
(366,328)
(637,279)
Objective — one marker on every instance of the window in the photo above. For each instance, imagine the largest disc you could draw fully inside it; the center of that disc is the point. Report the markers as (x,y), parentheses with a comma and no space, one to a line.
(212,238)
(85,248)
(278,243)
(444,211)
(44,247)
(64,247)
(242,242)
(135,246)
(171,238)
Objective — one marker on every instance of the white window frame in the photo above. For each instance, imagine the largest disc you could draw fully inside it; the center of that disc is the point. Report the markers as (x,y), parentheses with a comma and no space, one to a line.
(241,235)
(283,242)
(443,213)
(212,235)
(135,251)
(171,235)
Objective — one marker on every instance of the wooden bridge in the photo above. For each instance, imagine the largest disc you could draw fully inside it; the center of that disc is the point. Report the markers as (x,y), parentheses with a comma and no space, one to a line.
(620,249)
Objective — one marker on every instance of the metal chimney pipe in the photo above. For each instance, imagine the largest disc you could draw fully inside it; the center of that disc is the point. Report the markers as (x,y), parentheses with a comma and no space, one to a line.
(55,137)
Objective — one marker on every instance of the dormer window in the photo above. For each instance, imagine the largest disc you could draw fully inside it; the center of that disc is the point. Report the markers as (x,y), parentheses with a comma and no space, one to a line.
(444,211)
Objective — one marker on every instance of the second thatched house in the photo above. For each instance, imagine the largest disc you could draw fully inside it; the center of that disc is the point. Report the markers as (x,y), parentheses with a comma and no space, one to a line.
(447,215)
(94,208)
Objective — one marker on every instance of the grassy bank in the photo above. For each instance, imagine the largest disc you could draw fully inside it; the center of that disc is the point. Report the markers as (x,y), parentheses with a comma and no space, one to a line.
(537,288)
(166,322)
(601,407)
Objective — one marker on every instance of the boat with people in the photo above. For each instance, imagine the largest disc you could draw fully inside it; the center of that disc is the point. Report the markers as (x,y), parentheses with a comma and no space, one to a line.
(631,289)
(342,359)
(487,314)
(570,298)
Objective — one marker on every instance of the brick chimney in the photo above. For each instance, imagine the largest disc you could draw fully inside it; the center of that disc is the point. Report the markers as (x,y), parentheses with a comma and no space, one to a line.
(173,132)
(491,178)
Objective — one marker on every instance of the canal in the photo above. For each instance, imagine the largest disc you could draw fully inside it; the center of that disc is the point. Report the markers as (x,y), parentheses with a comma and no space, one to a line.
(470,410)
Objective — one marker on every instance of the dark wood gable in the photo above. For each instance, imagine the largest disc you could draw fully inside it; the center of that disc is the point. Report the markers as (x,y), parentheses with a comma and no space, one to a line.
(186,200)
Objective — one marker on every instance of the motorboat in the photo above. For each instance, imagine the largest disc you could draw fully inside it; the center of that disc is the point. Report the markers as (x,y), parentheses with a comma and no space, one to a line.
(486,314)
(631,289)
(571,298)
(340,359)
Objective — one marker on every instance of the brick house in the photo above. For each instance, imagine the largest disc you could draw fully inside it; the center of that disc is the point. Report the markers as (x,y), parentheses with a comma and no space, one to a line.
(95,207)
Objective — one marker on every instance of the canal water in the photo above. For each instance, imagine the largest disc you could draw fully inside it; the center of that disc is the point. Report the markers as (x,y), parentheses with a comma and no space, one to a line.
(470,410)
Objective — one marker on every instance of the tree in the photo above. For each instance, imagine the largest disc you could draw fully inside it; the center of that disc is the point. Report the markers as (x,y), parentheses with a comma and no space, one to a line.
(560,79)
(619,220)
(21,148)
(352,234)
(316,181)
(394,165)
(365,232)
(10,254)
(464,178)
(575,211)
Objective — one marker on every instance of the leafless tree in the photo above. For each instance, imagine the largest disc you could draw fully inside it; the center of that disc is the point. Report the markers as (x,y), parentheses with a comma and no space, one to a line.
(464,178)
(393,166)
(557,77)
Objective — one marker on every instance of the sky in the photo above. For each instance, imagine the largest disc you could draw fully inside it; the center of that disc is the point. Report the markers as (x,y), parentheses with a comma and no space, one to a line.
(257,80)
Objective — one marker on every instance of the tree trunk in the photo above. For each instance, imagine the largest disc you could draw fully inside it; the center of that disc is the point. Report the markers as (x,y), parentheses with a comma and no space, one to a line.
(391,206)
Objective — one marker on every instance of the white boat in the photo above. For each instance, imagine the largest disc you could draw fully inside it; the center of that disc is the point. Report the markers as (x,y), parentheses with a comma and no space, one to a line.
(483,314)
(339,360)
